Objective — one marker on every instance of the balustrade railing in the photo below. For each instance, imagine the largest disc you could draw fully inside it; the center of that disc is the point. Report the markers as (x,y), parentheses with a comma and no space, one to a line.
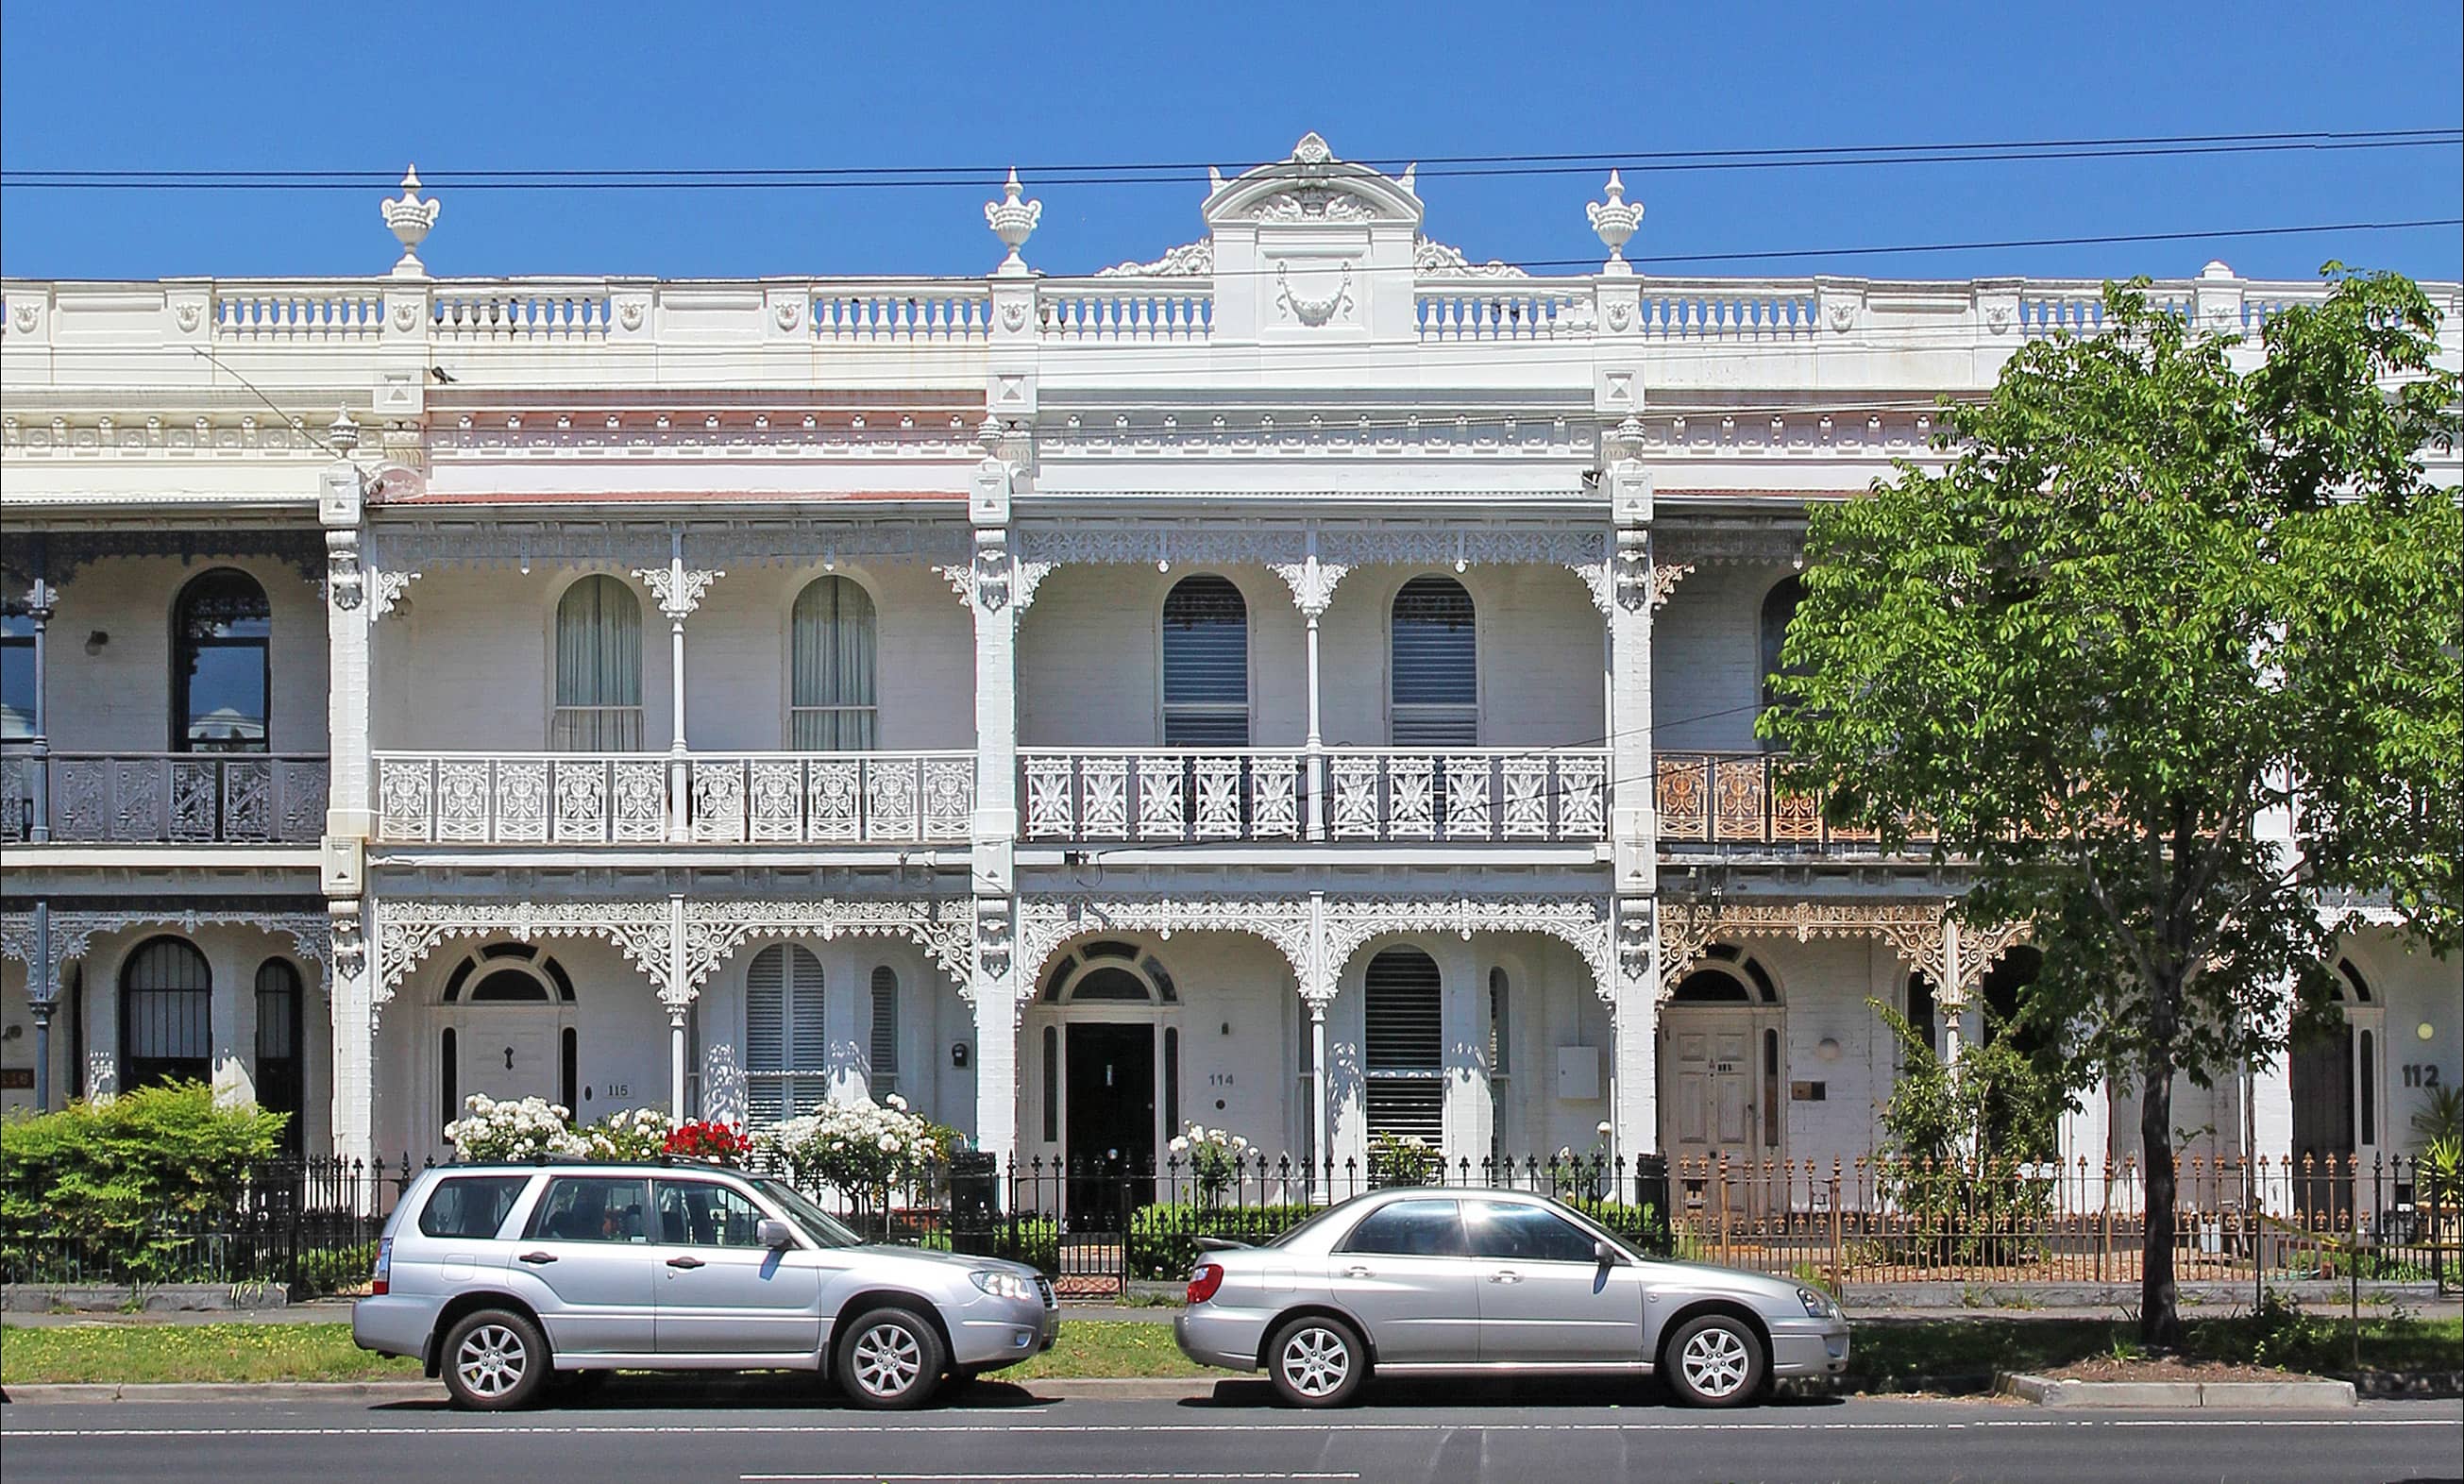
(1198,795)
(927,312)
(1737,799)
(1126,311)
(299,312)
(787,799)
(1484,312)
(164,798)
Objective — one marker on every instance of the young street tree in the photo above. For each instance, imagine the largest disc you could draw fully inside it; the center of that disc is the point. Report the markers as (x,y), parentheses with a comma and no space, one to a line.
(2158,614)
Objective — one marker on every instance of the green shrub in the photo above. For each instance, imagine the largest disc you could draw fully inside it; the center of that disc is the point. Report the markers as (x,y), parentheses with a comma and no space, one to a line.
(121,1181)
(1639,1225)
(1164,1238)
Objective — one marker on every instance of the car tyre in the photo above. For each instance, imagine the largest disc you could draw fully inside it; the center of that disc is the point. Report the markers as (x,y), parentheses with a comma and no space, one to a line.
(495,1360)
(890,1359)
(1714,1359)
(1315,1361)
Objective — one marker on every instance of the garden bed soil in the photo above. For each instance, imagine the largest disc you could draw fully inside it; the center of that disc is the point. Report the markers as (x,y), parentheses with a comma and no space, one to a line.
(2104,1368)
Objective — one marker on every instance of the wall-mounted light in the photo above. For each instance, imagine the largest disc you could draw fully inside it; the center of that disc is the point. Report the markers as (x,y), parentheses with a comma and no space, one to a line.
(2424,1031)
(959,1054)
(1228,1026)
(1827,1049)
(95,640)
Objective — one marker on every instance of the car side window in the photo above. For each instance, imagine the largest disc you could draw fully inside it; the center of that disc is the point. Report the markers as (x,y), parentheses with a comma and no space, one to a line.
(701,1214)
(593,1209)
(1525,1233)
(1411,1229)
(469,1206)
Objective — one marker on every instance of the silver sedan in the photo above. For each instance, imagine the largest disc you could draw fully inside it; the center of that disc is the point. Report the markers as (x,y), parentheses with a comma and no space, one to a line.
(1436,1280)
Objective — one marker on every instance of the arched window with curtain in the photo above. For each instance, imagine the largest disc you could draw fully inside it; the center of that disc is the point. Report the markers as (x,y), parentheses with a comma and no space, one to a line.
(1780,609)
(1405,1046)
(598,667)
(786,1045)
(221,632)
(1205,664)
(279,1079)
(833,707)
(167,995)
(1434,679)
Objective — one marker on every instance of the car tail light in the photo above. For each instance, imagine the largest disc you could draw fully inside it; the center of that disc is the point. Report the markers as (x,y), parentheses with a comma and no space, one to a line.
(1204,1282)
(383,1279)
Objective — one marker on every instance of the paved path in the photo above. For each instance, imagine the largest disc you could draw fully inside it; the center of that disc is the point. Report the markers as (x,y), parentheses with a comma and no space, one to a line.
(1228,1431)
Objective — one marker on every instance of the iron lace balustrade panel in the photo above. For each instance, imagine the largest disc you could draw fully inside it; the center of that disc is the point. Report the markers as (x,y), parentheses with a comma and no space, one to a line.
(234,798)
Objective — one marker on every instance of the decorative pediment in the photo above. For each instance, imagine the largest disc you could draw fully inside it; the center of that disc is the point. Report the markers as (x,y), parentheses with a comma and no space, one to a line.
(1436,257)
(1310,188)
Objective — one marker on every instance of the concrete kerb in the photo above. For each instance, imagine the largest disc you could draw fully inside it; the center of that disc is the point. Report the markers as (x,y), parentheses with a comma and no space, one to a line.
(1169,1389)
(2302,1394)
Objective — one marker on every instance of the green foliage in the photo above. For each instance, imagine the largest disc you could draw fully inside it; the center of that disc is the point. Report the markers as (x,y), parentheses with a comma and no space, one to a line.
(1961,1141)
(1402,1160)
(1643,1227)
(2149,598)
(2441,1115)
(1163,1237)
(121,1180)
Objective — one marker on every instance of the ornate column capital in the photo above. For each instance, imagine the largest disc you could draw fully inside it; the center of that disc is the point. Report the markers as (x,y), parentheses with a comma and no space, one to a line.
(678,589)
(1312,582)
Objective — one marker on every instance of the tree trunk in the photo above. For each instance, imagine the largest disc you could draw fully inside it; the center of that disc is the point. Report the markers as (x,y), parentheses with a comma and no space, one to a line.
(2160,1313)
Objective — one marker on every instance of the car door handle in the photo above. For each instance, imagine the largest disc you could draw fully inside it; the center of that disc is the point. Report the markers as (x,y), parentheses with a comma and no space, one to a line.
(684,1262)
(1505,1275)
(540,1258)
(1358,1272)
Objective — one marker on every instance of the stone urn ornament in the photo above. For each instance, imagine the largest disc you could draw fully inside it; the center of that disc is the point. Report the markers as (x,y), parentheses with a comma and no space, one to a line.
(409,219)
(1615,219)
(1013,221)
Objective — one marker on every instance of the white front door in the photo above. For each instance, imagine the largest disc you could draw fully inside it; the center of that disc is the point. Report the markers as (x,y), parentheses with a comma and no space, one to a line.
(1722,1070)
(511,1052)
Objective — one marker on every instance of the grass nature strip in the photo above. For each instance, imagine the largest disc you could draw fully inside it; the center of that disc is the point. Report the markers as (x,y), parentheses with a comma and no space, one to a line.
(1889,1354)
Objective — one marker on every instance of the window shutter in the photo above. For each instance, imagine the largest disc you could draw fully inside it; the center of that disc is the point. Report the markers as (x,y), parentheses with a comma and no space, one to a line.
(1405,1047)
(884,1033)
(1205,665)
(1436,676)
(765,1012)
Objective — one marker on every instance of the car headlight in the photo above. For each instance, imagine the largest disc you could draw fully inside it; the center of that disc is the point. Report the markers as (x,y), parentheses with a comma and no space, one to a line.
(1818,1304)
(1002,1285)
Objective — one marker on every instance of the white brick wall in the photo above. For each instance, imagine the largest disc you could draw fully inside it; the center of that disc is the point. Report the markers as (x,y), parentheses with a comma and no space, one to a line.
(1706,659)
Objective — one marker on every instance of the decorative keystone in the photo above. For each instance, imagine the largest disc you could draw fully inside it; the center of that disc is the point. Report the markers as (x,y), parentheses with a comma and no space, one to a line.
(410,219)
(1615,219)
(1013,221)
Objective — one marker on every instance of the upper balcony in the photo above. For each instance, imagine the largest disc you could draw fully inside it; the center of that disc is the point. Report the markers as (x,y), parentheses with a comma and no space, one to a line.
(128,798)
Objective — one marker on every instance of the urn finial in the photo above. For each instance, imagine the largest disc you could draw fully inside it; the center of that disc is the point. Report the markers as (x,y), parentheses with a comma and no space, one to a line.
(1013,221)
(1615,219)
(409,219)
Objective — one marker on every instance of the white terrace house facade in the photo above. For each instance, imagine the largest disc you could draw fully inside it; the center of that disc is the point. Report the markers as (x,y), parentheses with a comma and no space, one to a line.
(1303,684)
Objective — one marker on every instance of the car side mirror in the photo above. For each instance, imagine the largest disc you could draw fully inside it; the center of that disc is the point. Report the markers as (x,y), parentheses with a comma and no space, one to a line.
(1607,1255)
(771,1231)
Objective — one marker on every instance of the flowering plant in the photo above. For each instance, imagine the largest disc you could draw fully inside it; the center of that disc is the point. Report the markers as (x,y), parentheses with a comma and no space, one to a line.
(635,1134)
(530,1129)
(859,1148)
(709,1139)
(1404,1159)
(1215,1156)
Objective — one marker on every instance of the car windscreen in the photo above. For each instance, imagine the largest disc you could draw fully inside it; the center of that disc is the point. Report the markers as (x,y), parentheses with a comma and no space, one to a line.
(818,1223)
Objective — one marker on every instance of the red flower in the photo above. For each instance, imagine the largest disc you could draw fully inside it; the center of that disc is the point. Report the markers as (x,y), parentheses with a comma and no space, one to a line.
(707,1138)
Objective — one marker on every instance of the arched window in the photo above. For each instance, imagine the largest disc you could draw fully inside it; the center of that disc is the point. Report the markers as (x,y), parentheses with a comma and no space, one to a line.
(884,1081)
(1205,664)
(597,669)
(1404,1047)
(167,995)
(221,636)
(278,1064)
(833,707)
(786,1045)
(1779,607)
(1435,674)
(16,661)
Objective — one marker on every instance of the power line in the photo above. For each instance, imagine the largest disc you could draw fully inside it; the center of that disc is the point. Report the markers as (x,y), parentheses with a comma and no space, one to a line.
(1131,173)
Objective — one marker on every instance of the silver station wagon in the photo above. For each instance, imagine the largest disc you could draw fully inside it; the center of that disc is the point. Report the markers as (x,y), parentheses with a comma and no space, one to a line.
(501,1278)
(1441,1281)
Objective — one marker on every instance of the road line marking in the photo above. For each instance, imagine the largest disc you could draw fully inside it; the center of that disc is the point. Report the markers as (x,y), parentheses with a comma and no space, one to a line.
(1072,1474)
(1296,1429)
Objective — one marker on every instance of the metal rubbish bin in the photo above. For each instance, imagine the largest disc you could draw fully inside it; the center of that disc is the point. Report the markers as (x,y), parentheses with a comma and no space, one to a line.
(1651,1190)
(975,1201)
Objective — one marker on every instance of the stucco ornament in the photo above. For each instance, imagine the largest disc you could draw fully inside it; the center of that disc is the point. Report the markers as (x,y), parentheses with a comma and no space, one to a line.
(1615,219)
(1012,221)
(1313,311)
(410,219)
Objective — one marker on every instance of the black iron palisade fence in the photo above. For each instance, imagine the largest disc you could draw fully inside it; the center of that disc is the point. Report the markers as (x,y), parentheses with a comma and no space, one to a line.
(309,1225)
(312,1225)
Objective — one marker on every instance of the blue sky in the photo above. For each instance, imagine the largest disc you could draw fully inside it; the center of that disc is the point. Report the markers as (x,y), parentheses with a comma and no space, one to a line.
(508,85)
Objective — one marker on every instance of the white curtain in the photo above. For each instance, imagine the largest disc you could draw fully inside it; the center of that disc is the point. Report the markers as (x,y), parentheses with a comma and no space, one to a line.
(598,667)
(833,707)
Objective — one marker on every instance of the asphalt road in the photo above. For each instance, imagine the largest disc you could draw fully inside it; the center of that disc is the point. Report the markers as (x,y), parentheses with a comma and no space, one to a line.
(1527,1435)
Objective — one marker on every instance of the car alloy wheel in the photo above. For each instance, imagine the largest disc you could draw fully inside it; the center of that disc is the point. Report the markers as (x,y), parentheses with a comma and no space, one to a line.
(491,1361)
(1314,1361)
(1716,1363)
(890,1357)
(888,1361)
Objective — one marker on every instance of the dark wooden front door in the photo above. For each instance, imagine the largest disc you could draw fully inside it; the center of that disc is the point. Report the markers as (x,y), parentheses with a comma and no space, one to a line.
(2322,1123)
(1110,1136)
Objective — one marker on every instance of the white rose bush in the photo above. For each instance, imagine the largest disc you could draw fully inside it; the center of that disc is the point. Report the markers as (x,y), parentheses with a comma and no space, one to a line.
(860,1149)
(1215,1156)
(529,1129)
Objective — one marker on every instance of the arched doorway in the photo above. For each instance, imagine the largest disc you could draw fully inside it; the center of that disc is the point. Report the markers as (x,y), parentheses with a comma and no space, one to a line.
(1107,1079)
(506,1029)
(166,994)
(2333,1072)
(1724,1063)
